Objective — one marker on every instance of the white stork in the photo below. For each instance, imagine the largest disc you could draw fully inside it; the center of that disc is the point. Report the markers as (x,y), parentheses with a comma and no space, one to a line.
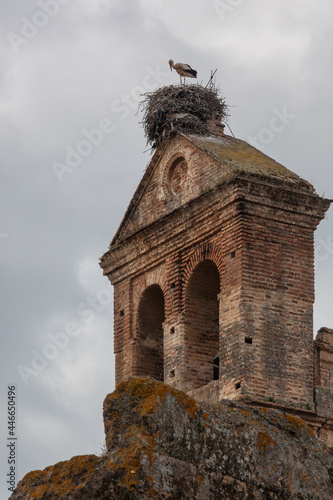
(183,70)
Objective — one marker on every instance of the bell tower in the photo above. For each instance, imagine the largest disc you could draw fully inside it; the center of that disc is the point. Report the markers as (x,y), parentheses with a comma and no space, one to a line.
(213,262)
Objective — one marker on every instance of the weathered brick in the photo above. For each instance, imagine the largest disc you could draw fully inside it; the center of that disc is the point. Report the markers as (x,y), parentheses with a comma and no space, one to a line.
(215,259)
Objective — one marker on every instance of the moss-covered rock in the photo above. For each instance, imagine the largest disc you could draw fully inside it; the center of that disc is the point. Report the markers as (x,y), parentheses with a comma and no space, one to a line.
(161,444)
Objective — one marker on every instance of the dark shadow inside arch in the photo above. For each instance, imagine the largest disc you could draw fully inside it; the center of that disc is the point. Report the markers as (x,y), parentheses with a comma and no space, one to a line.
(149,347)
(202,325)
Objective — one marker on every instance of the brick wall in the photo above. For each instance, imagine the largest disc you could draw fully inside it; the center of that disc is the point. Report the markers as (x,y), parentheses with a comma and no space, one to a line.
(323,368)
(201,324)
(149,352)
(230,256)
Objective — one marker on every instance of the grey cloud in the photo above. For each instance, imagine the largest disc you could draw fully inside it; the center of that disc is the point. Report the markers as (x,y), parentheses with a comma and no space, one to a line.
(64,81)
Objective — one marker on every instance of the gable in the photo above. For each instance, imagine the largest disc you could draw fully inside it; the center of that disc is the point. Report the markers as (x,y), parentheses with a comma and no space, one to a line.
(184,167)
(178,172)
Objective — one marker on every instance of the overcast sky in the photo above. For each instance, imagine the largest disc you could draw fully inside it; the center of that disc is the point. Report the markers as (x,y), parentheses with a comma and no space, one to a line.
(73,152)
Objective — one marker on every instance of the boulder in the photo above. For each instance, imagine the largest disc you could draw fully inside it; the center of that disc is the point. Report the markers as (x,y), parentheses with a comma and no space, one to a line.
(161,444)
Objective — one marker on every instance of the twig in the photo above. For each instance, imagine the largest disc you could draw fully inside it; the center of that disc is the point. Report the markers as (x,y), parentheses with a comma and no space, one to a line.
(176,108)
(211,77)
(230,130)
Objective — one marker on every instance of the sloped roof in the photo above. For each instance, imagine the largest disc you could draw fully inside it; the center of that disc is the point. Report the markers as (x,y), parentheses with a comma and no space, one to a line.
(240,156)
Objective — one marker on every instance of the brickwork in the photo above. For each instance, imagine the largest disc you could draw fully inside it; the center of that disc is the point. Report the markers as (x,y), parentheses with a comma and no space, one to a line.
(149,354)
(201,324)
(214,261)
(276,307)
(323,357)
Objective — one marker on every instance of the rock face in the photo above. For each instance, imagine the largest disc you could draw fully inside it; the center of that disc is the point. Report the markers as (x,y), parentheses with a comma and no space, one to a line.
(162,445)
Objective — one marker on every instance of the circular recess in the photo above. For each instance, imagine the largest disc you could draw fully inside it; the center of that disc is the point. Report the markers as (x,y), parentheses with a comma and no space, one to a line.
(177,175)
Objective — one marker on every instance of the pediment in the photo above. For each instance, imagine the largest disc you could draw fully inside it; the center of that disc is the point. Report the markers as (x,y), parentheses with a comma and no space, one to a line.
(184,167)
(174,176)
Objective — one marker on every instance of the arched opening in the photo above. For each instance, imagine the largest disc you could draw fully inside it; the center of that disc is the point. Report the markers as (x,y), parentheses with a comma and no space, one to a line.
(149,355)
(202,325)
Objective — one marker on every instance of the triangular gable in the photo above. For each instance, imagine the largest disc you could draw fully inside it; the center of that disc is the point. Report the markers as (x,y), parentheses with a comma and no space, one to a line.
(210,160)
(153,198)
(139,191)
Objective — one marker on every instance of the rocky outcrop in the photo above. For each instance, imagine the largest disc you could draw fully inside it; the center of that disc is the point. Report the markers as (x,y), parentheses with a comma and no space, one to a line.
(161,444)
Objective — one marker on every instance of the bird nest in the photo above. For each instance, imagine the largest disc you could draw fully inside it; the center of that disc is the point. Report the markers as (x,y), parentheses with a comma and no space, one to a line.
(187,109)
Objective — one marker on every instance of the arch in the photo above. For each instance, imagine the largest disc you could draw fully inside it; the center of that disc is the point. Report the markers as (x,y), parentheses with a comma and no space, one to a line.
(202,324)
(155,276)
(207,252)
(149,329)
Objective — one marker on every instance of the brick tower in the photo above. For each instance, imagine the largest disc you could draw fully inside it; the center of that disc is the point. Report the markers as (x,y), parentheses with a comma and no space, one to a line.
(213,273)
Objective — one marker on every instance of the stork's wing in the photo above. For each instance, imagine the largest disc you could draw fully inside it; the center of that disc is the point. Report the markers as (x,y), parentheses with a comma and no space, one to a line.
(190,71)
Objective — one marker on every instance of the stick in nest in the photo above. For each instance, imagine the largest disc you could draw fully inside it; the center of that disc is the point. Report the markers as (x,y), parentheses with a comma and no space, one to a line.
(185,109)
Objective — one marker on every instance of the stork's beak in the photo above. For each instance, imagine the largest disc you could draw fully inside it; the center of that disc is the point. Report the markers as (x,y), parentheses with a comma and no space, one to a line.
(170,67)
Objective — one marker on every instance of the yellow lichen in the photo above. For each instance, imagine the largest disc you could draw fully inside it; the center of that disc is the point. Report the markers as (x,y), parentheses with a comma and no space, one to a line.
(265,440)
(151,402)
(130,457)
(60,479)
(129,460)
(199,479)
(150,395)
(297,423)
(190,405)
